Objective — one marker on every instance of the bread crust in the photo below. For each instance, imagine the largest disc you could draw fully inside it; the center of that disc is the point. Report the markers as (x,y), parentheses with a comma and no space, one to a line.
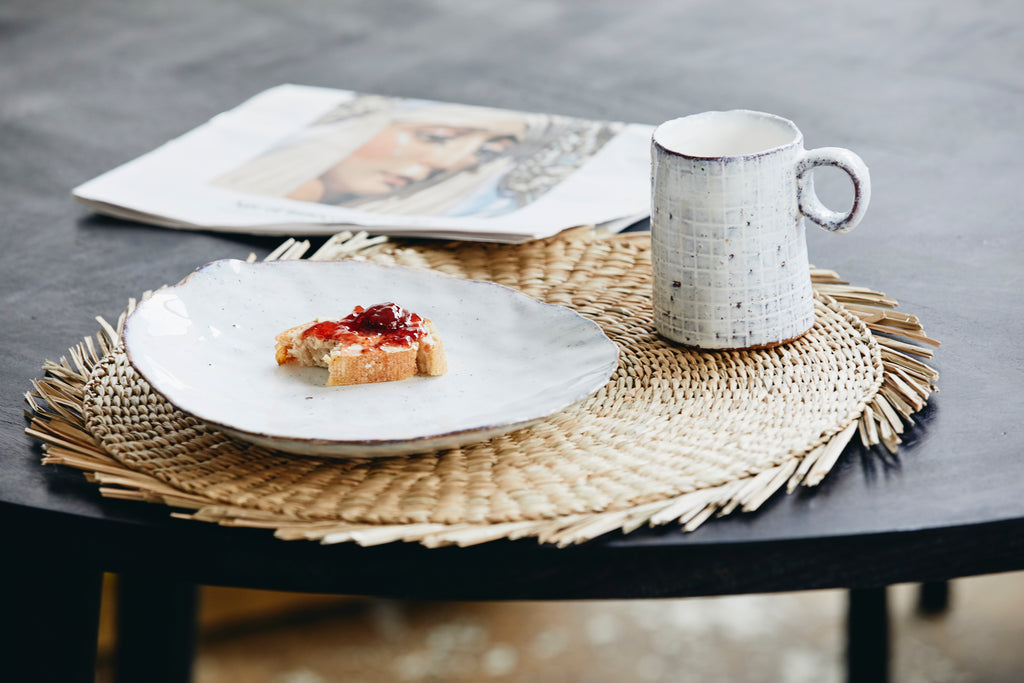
(370,366)
(367,361)
(430,356)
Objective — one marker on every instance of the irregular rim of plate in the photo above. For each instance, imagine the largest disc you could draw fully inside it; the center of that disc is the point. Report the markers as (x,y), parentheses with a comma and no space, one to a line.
(384,447)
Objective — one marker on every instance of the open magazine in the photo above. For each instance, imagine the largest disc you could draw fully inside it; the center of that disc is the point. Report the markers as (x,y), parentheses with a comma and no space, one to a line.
(313,161)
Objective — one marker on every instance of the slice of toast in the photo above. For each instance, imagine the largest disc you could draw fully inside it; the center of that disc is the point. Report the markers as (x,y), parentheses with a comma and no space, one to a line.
(382,343)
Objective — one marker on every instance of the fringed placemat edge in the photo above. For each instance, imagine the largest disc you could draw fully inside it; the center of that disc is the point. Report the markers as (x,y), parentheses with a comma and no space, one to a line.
(54,409)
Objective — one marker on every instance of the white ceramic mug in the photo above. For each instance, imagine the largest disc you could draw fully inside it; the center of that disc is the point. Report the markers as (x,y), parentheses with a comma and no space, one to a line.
(729,192)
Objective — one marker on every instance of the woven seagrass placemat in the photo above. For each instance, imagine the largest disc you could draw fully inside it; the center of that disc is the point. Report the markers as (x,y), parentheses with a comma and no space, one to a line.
(675,435)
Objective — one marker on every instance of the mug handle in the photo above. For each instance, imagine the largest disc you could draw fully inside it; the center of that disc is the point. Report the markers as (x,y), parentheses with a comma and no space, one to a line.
(811,206)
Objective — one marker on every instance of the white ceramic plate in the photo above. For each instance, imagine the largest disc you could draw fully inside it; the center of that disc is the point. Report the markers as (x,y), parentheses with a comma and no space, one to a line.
(207,344)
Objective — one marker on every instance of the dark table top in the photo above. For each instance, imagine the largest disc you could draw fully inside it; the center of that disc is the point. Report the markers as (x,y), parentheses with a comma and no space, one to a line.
(931,98)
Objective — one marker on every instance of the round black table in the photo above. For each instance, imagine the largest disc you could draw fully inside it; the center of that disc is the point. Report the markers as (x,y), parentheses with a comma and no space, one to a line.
(929,97)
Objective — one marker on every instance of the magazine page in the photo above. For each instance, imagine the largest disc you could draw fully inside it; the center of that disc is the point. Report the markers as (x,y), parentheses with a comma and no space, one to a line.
(309,160)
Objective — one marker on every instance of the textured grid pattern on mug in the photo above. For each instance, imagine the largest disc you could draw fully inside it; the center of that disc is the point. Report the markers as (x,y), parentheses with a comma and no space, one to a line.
(728,277)
(714,285)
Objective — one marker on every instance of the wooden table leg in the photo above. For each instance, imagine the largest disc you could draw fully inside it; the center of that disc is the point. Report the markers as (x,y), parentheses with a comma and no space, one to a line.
(867,650)
(156,629)
(51,611)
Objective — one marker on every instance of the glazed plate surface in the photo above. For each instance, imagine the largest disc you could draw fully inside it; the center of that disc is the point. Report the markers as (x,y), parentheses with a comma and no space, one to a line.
(207,345)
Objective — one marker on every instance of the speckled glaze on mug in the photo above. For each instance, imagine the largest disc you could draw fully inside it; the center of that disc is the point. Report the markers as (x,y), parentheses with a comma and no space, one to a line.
(729,192)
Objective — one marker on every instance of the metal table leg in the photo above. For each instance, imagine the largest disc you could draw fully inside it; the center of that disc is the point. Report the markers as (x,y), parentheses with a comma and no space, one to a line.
(867,653)
(933,598)
(51,610)
(156,630)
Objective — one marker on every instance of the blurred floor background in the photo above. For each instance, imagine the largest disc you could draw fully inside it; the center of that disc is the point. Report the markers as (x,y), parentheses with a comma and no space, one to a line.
(260,637)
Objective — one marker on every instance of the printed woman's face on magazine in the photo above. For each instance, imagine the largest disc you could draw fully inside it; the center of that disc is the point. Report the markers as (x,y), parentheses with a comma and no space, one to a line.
(408,153)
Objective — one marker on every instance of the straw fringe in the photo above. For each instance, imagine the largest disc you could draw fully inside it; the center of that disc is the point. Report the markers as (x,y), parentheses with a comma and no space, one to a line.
(55,406)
